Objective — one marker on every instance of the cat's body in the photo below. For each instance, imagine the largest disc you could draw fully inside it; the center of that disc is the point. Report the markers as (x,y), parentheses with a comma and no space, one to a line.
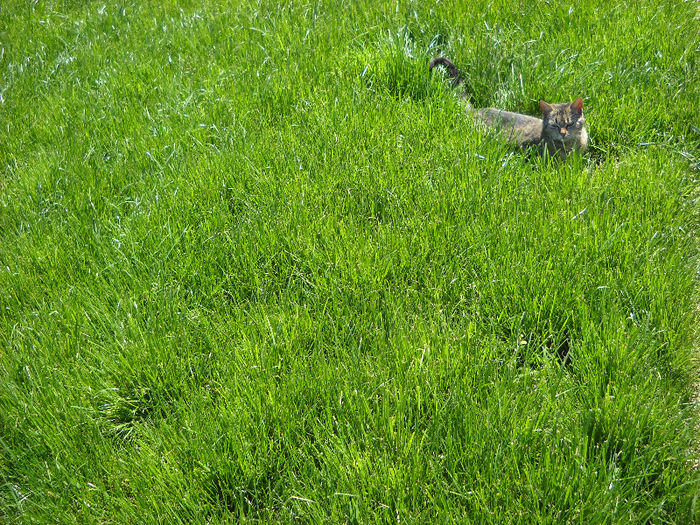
(561,131)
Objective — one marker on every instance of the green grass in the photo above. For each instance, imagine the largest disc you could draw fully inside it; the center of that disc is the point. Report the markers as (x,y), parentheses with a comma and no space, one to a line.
(257,265)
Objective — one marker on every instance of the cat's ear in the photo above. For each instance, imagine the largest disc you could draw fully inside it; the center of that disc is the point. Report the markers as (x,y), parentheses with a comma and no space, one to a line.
(577,104)
(546,108)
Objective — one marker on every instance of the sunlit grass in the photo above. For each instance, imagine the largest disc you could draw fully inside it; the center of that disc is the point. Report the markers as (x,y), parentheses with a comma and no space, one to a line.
(256,264)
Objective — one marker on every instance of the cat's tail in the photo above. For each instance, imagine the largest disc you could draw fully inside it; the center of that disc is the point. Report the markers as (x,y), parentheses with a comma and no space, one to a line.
(457,79)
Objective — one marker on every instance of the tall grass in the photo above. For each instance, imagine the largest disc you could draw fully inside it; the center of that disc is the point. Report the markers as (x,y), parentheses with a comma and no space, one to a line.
(257,265)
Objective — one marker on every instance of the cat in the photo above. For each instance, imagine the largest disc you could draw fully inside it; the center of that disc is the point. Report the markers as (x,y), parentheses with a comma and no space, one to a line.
(561,131)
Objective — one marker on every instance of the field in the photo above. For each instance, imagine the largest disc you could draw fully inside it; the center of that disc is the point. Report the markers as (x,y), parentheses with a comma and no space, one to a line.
(257,265)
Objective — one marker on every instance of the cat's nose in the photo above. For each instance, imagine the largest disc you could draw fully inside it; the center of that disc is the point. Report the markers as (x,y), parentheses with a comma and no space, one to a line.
(563,132)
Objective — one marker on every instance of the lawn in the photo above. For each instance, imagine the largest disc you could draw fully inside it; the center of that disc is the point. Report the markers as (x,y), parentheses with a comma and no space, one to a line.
(258,265)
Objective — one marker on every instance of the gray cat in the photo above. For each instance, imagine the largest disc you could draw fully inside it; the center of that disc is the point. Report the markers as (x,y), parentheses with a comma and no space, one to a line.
(560,132)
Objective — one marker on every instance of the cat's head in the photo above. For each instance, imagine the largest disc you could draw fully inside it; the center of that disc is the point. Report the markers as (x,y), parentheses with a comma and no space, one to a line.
(563,122)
